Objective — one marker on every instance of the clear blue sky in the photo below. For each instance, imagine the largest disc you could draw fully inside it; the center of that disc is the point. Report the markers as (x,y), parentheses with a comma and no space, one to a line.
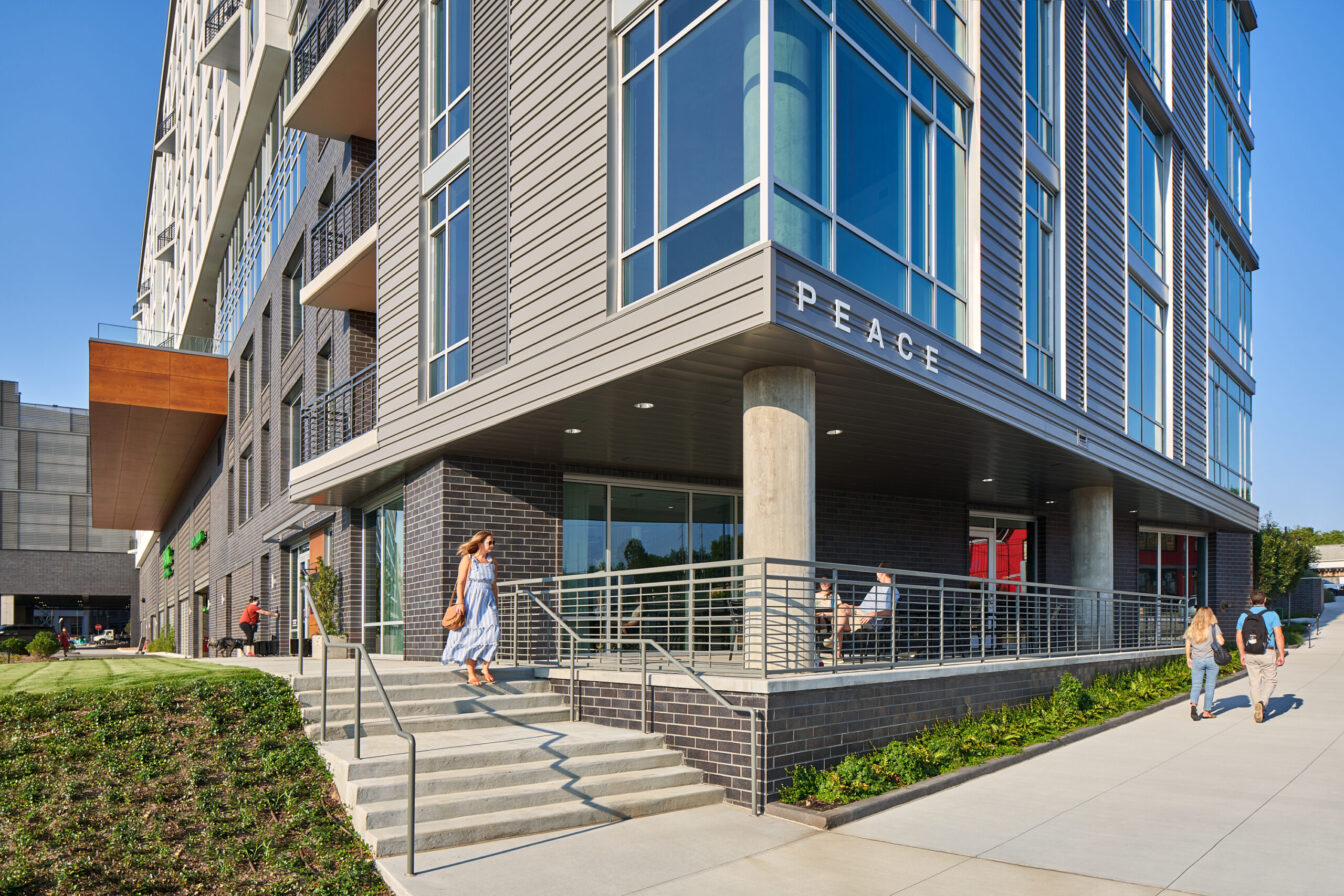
(77,121)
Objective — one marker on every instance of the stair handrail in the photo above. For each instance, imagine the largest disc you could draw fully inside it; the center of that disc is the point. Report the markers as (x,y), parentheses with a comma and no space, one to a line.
(644,645)
(363,656)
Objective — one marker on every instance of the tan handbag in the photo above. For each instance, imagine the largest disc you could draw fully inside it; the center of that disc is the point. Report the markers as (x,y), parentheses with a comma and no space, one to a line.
(454,617)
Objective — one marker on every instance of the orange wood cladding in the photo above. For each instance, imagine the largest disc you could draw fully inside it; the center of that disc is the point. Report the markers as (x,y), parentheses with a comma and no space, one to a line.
(158,378)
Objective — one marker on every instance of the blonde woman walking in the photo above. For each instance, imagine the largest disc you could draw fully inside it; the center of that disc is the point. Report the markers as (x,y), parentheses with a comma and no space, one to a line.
(1199,657)
(476,640)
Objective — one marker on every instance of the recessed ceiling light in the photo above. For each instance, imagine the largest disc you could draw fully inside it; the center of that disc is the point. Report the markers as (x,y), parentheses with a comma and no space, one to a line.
(989,479)
(572,431)
(1133,511)
(644,405)
(1050,502)
(834,432)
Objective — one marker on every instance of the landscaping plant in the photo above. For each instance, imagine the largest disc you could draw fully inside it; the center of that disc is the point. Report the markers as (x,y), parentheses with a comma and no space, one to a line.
(200,786)
(13,647)
(324,587)
(948,746)
(166,642)
(43,645)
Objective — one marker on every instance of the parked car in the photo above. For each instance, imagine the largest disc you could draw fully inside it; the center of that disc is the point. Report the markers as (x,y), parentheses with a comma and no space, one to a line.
(24,631)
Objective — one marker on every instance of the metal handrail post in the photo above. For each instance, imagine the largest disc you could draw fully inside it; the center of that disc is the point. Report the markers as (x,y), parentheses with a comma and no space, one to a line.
(1017,624)
(942,621)
(644,687)
(984,622)
(324,685)
(573,684)
(359,700)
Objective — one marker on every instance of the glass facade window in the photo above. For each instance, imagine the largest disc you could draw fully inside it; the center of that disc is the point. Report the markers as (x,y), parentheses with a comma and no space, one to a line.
(1146,186)
(1173,565)
(948,18)
(1041,67)
(450,73)
(1229,297)
(1229,159)
(384,553)
(1040,300)
(1146,367)
(690,139)
(1146,26)
(895,222)
(1231,46)
(1229,433)
(449,285)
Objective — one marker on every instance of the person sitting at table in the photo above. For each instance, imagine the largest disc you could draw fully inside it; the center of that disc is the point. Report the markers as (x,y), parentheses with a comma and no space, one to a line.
(878,603)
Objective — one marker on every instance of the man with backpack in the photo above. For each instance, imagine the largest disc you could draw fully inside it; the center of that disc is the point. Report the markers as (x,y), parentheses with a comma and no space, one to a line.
(1260,641)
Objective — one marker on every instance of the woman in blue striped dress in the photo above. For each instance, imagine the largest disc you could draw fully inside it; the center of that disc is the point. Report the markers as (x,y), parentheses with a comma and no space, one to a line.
(475,642)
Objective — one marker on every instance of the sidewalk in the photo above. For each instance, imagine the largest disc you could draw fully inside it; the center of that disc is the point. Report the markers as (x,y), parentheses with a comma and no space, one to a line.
(1153,807)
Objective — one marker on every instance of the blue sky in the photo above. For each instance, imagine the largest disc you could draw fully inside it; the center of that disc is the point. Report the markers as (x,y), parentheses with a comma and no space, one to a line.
(77,121)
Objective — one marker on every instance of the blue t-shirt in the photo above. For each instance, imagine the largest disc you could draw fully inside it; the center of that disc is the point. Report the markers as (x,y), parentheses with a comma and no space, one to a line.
(1272,621)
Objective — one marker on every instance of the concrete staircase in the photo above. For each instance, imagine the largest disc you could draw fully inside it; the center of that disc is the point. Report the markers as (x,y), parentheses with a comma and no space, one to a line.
(494,761)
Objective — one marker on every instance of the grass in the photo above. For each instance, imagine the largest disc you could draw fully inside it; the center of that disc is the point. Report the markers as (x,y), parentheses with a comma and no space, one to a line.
(1001,732)
(109,673)
(199,781)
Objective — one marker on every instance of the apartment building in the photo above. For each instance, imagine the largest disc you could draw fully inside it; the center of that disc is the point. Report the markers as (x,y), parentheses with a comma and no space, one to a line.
(55,568)
(964,288)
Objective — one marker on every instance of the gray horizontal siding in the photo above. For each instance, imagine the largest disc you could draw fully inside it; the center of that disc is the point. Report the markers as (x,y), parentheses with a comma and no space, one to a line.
(1196,330)
(1074,174)
(1188,73)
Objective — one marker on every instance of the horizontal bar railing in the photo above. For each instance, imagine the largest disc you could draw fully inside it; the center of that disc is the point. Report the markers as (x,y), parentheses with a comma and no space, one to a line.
(336,417)
(644,645)
(319,37)
(346,221)
(763,617)
(219,16)
(164,126)
(165,238)
(362,657)
(132,335)
(144,287)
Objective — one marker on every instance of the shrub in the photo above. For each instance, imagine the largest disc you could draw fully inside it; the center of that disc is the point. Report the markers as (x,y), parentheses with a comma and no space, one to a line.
(44,644)
(324,587)
(166,642)
(13,646)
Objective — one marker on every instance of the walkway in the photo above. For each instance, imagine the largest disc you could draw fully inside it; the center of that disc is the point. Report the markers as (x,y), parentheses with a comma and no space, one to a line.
(1160,806)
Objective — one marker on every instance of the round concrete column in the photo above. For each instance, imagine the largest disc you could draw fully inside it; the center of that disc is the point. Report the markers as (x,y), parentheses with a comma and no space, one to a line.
(1092,562)
(779,513)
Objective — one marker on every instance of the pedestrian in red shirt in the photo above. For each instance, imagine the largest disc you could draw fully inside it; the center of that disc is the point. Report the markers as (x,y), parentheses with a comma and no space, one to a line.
(248,623)
(63,639)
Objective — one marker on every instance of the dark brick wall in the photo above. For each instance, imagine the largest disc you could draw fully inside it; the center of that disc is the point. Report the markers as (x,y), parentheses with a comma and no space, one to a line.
(62,573)
(1230,573)
(908,533)
(448,501)
(1126,566)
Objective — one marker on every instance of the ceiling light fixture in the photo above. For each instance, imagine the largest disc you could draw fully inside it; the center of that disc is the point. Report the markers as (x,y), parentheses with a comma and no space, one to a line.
(834,432)
(989,479)
(644,405)
(1050,502)
(573,431)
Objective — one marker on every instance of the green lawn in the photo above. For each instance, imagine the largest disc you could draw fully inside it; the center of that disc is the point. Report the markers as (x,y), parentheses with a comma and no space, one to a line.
(113,672)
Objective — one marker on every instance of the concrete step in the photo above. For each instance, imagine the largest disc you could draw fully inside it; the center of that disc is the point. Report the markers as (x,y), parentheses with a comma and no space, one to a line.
(426,706)
(392,813)
(376,722)
(539,819)
(471,780)
(486,748)
(434,690)
(340,674)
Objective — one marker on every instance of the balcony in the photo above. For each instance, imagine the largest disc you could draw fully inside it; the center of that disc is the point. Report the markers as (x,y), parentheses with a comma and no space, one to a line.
(156,402)
(164,244)
(163,134)
(341,250)
(143,292)
(223,36)
(335,72)
(138,308)
(340,416)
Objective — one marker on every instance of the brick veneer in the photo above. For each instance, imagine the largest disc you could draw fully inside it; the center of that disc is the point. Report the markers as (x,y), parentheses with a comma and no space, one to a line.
(908,533)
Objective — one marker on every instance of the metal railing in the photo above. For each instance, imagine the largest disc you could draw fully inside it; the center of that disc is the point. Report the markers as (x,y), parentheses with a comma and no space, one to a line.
(565,631)
(132,335)
(320,35)
(763,617)
(363,657)
(164,127)
(346,221)
(144,287)
(219,17)
(164,239)
(344,413)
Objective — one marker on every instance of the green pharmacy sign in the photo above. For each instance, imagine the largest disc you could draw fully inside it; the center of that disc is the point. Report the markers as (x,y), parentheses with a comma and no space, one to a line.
(198,539)
(168,562)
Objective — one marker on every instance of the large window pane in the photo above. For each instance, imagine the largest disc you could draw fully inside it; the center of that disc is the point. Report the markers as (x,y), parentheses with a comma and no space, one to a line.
(710,237)
(868,266)
(802,119)
(709,112)
(648,527)
(802,228)
(951,204)
(585,528)
(638,165)
(870,156)
(872,37)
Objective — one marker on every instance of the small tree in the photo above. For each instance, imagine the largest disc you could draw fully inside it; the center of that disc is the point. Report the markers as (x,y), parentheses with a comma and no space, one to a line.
(43,645)
(13,647)
(324,587)
(1281,556)
(166,642)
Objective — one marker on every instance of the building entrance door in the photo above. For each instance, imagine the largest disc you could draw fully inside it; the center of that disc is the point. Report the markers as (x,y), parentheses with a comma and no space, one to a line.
(384,537)
(298,592)
(1000,553)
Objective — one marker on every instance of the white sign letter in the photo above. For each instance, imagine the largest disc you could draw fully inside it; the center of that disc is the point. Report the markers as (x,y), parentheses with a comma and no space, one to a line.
(875,332)
(841,315)
(930,359)
(806,295)
(903,346)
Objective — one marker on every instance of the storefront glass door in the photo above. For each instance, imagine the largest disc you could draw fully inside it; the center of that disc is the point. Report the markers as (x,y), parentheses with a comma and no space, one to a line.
(1001,553)
(384,544)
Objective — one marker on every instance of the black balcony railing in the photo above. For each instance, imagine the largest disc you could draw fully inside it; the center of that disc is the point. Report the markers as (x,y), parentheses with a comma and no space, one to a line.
(165,126)
(344,413)
(344,222)
(144,288)
(219,16)
(165,238)
(331,18)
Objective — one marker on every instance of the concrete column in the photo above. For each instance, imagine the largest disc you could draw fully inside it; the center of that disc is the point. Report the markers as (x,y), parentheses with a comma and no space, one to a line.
(1092,562)
(779,513)
(7,609)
